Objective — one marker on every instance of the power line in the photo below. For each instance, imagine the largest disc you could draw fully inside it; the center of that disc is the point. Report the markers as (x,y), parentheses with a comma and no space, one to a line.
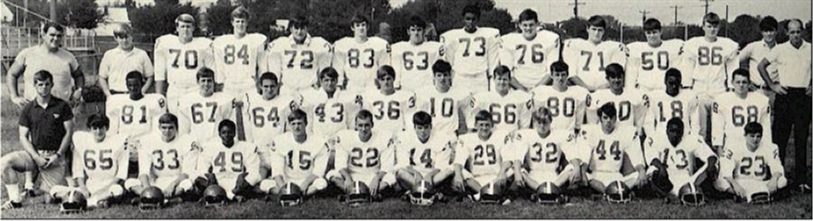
(707,5)
(676,12)
(644,13)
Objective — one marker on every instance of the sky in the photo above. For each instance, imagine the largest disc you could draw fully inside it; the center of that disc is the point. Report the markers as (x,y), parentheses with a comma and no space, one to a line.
(691,12)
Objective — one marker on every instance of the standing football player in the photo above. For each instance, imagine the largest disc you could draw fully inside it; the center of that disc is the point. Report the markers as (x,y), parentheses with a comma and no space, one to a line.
(237,55)
(752,169)
(547,155)
(732,110)
(364,155)
(358,58)
(234,164)
(473,51)
(672,102)
(200,111)
(630,102)
(297,58)
(483,158)
(178,58)
(648,61)
(329,108)
(104,164)
(615,152)
(708,58)
(529,53)
(566,104)
(443,101)
(413,59)
(389,106)
(511,109)
(298,158)
(673,154)
(588,57)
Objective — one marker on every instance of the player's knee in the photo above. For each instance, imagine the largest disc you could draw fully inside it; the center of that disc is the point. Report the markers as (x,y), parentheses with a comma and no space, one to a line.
(116,190)
(130,183)
(319,184)
(334,175)
(722,185)
(389,179)
(185,185)
(267,184)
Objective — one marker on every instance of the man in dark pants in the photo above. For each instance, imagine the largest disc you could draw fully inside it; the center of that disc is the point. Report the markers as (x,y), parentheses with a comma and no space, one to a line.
(793,101)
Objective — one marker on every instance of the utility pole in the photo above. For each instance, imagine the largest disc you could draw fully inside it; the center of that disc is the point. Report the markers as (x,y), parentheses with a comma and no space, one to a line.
(707,5)
(53,10)
(575,5)
(676,12)
(644,12)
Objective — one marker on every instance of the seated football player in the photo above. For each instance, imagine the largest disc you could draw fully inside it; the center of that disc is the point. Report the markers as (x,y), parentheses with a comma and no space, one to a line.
(672,156)
(672,102)
(615,152)
(426,154)
(547,156)
(200,111)
(100,164)
(481,160)
(166,160)
(444,101)
(732,110)
(329,108)
(389,106)
(234,165)
(510,108)
(364,155)
(298,157)
(566,104)
(752,170)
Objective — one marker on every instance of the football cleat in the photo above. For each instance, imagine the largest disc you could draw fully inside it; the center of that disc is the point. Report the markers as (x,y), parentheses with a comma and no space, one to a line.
(359,195)
(691,195)
(75,202)
(491,194)
(618,192)
(151,198)
(290,195)
(760,198)
(214,195)
(549,193)
(422,194)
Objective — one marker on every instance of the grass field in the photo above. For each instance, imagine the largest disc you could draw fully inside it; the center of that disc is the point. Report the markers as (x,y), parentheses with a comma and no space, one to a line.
(796,207)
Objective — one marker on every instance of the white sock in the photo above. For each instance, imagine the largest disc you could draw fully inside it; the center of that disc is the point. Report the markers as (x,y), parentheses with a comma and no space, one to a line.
(14,193)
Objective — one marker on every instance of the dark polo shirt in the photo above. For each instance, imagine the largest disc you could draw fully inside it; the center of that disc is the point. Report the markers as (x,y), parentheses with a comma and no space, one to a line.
(45,125)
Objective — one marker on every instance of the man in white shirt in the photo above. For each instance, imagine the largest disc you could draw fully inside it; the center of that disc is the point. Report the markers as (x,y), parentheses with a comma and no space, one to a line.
(756,51)
(120,61)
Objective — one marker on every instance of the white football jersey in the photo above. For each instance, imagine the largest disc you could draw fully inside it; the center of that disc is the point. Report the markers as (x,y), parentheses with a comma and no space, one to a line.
(529,60)
(424,157)
(237,59)
(472,53)
(731,113)
(157,158)
(647,65)
(630,105)
(104,160)
(663,107)
(484,157)
(741,163)
(229,162)
(445,108)
(266,119)
(509,113)
(710,59)
(297,65)
(329,115)
(359,157)
(392,112)
(413,63)
(545,154)
(178,63)
(566,107)
(359,62)
(134,118)
(199,116)
(588,60)
(608,150)
(680,159)
(297,160)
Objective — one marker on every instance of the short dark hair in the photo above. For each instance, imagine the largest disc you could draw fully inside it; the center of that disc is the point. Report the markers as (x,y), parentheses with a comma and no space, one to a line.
(614,70)
(711,18)
(168,118)
(268,76)
(422,119)
(768,23)
(483,115)
(673,72)
(298,114)
(607,109)
(385,70)
(652,24)
(559,66)
(416,21)
(675,121)
(597,21)
(542,113)
(134,75)
(359,18)
(49,25)
(753,128)
(364,114)
(43,75)
(298,21)
(204,72)
(226,123)
(472,9)
(441,66)
(329,72)
(528,14)
(741,72)
(98,121)
(502,70)
(240,12)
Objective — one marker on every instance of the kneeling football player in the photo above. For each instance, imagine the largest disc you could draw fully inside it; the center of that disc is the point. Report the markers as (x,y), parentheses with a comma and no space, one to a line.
(547,156)
(752,169)
(426,154)
(230,164)
(364,155)
(480,163)
(673,158)
(100,164)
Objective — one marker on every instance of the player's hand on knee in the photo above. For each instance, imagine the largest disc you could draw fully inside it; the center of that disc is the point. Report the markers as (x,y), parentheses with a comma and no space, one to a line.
(20,101)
